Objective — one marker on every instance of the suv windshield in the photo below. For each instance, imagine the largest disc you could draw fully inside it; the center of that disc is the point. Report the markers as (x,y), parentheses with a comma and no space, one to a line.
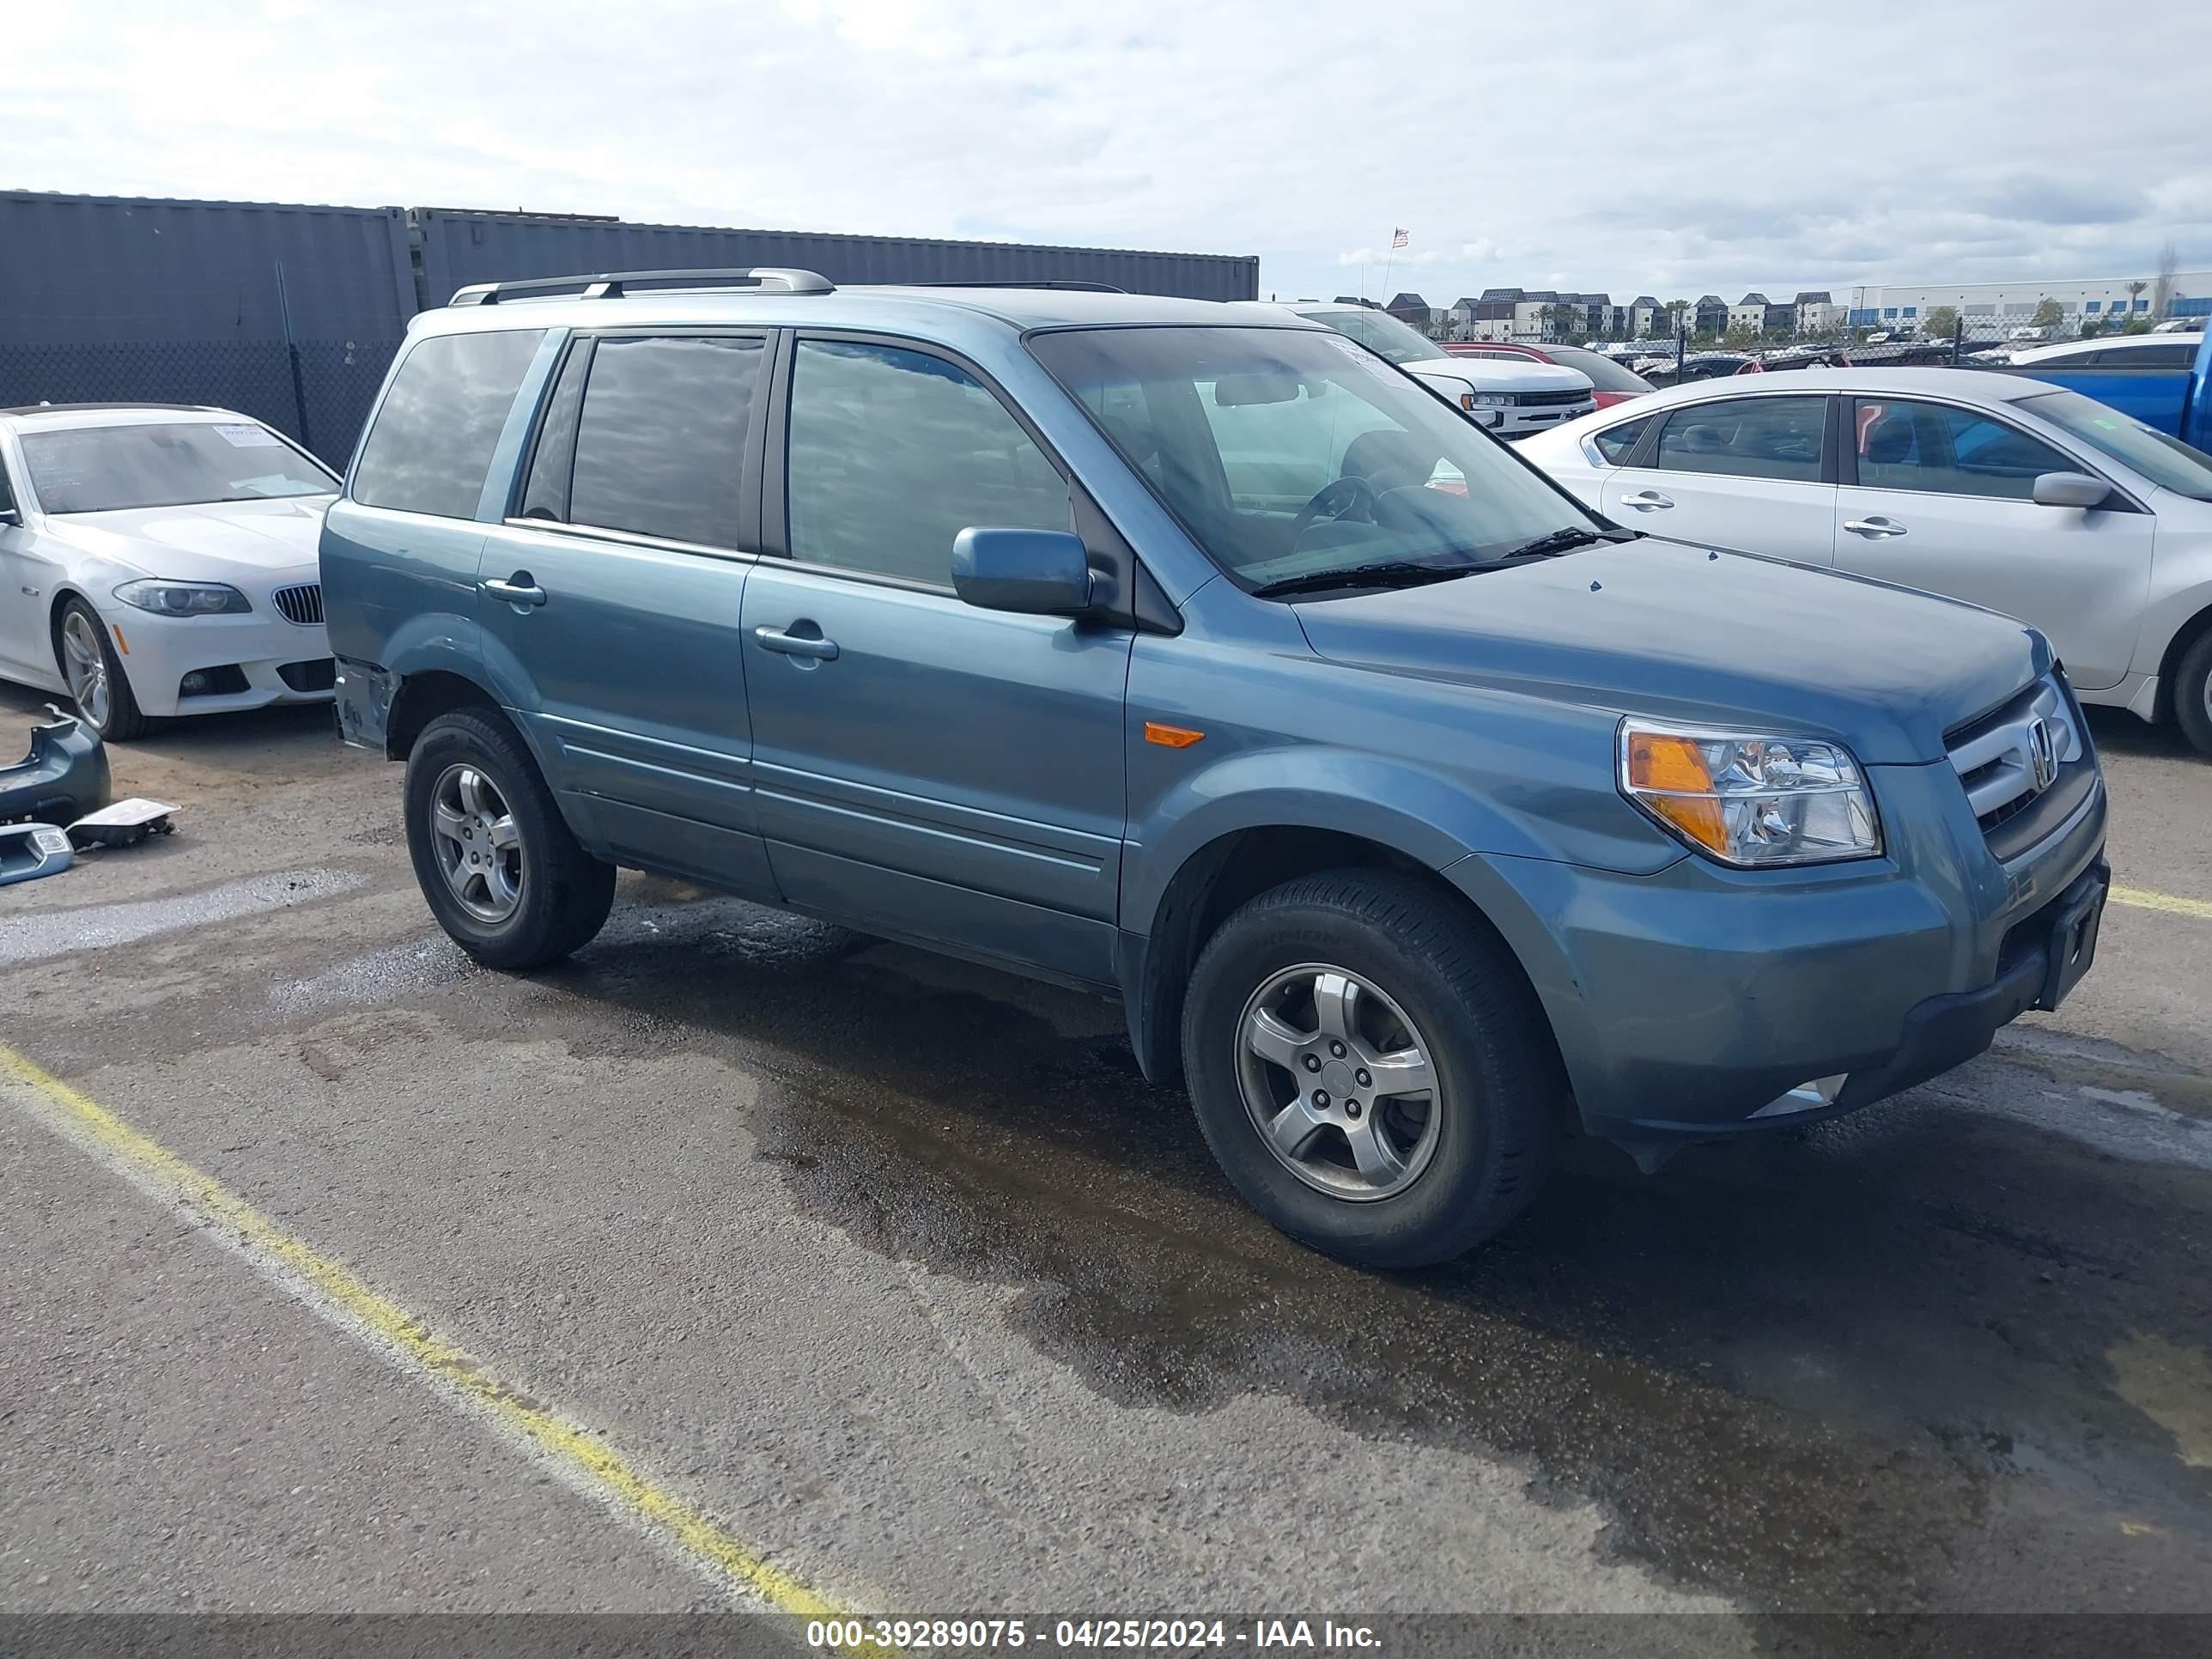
(1381,333)
(2165,461)
(1289,454)
(95,468)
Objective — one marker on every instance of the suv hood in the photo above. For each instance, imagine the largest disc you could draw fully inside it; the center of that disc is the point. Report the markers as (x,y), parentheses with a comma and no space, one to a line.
(1682,633)
(1494,375)
(205,543)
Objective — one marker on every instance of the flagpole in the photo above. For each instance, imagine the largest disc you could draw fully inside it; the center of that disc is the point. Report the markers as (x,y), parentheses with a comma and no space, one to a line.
(1390,262)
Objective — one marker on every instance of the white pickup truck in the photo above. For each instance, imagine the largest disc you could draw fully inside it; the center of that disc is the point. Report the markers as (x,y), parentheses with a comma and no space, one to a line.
(1512,399)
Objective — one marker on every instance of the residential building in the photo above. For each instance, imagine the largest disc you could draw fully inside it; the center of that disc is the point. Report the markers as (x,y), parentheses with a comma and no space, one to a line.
(1710,315)
(1749,313)
(1492,318)
(1645,316)
(1819,317)
(1532,314)
(1415,312)
(1781,319)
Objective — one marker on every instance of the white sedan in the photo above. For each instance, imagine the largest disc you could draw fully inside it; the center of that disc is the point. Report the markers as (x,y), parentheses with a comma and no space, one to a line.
(158,560)
(1996,488)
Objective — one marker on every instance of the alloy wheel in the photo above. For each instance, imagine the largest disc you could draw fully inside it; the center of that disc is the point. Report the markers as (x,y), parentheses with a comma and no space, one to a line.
(1339,1084)
(84,665)
(477,844)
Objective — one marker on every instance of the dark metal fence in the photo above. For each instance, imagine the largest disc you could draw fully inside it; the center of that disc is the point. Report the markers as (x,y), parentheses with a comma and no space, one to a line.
(317,392)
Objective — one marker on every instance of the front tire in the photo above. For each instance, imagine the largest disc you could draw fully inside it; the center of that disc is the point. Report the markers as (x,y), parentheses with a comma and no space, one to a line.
(498,865)
(97,684)
(2192,694)
(1370,1068)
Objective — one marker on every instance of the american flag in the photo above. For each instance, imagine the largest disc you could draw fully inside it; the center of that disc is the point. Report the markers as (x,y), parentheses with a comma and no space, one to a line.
(1399,238)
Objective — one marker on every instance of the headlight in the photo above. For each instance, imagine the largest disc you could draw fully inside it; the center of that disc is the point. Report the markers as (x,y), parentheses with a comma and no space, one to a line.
(1490,399)
(183,598)
(1750,799)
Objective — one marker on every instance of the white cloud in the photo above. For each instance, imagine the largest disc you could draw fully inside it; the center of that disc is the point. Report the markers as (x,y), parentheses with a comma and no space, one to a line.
(1637,151)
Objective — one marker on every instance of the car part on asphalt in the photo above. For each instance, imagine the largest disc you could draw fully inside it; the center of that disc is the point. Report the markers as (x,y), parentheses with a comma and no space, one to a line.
(124,824)
(28,851)
(64,776)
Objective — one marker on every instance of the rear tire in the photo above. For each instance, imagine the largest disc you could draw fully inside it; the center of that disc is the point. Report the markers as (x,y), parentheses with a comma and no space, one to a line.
(2192,694)
(93,673)
(497,864)
(1359,966)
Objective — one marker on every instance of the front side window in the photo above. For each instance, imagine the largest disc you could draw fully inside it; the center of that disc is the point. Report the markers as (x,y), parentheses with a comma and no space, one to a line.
(99,469)
(1904,445)
(430,449)
(2165,461)
(895,452)
(6,490)
(660,438)
(1747,438)
(1291,455)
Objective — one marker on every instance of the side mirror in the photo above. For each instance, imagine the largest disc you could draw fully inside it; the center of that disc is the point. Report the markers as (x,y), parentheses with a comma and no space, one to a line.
(1035,572)
(2069,489)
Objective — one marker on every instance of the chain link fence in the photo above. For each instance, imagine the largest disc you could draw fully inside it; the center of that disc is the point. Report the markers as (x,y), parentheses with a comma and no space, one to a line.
(318,392)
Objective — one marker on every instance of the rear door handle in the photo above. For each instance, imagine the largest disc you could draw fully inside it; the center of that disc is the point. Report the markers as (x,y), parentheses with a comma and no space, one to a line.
(1647,500)
(797,644)
(517,590)
(1874,529)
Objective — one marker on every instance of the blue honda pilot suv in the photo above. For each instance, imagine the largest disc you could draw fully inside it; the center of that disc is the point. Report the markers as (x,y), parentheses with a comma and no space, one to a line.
(1172,650)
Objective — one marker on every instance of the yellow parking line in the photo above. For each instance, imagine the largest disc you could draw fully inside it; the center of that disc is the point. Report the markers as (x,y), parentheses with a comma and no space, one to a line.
(329,1287)
(2174,905)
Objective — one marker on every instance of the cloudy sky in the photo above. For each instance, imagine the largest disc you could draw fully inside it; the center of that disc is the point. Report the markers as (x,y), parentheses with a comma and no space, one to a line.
(1652,147)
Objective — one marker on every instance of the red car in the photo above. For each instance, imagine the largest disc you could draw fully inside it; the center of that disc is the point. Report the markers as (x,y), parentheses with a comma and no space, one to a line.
(1611,383)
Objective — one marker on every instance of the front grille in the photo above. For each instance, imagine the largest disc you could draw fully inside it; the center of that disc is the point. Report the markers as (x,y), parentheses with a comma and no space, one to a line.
(1549,399)
(320,675)
(1997,756)
(302,604)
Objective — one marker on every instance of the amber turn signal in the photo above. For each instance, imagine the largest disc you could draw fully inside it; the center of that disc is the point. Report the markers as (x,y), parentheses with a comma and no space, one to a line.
(1672,779)
(1170,737)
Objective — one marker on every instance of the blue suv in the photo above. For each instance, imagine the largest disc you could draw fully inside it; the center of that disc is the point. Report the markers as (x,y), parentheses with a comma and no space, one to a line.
(1192,654)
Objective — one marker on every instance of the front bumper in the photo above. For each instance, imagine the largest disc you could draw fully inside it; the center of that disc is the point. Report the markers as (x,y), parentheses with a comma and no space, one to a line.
(1701,1002)
(274,660)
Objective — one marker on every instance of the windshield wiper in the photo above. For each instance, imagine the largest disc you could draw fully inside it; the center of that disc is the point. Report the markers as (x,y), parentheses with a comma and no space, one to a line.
(1388,573)
(1564,541)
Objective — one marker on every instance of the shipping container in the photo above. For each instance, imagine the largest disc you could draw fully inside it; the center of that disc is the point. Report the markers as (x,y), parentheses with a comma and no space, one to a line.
(459,248)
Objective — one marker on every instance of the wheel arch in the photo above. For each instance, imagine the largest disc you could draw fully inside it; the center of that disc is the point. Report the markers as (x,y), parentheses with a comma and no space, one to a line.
(421,697)
(2185,638)
(1210,883)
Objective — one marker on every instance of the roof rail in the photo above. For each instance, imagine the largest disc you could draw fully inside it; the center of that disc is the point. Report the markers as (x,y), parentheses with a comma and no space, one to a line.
(612,284)
(1043,282)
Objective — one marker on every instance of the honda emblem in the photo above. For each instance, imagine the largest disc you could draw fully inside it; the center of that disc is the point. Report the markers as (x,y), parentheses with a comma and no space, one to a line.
(2042,754)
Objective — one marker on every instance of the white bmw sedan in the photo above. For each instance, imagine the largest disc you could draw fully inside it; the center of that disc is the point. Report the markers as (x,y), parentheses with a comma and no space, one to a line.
(1995,488)
(158,560)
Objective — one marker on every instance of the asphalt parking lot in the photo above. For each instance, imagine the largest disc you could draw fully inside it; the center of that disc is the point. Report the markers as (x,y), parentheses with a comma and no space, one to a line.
(893,1275)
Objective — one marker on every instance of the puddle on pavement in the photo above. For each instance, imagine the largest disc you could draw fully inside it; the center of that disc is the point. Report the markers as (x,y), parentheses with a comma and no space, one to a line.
(33,935)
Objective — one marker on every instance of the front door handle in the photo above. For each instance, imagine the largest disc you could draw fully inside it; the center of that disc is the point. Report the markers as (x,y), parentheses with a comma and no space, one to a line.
(1646,501)
(797,644)
(517,590)
(1874,529)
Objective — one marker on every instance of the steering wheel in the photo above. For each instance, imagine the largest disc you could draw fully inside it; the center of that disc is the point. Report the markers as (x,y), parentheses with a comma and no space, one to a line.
(1336,499)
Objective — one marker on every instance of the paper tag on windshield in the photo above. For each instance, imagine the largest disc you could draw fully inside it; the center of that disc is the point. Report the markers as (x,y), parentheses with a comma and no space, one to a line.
(250,437)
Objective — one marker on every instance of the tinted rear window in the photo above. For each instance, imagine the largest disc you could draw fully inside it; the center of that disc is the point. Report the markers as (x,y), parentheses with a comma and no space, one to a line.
(431,446)
(662,435)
